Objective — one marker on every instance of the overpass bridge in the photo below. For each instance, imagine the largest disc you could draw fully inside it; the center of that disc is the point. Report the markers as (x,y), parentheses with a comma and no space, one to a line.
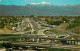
(40,38)
(27,44)
(33,44)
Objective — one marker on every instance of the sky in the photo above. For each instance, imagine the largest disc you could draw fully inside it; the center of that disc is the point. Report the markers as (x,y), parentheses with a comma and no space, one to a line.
(25,2)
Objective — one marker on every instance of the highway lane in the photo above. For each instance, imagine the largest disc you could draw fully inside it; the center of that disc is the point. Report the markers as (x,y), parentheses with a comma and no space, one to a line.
(34,44)
(35,25)
(30,24)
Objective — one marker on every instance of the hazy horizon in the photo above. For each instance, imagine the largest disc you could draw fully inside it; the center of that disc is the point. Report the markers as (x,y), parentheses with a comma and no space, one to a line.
(37,3)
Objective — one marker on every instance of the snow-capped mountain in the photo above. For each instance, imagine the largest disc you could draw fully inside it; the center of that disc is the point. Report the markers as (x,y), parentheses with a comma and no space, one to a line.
(42,3)
(41,9)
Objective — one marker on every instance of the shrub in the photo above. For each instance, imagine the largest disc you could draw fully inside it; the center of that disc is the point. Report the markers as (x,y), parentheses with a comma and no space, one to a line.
(74,23)
(2,25)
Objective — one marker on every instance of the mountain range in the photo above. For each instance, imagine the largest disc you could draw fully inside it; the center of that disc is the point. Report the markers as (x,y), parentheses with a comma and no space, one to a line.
(40,9)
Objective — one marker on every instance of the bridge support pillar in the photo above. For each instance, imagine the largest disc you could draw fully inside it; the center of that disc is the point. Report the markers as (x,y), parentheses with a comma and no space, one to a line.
(71,42)
(68,42)
(40,41)
(74,43)
(33,39)
(52,41)
(77,42)
(21,38)
(37,40)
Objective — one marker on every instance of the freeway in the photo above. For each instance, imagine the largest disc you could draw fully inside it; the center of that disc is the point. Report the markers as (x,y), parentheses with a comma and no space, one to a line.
(43,45)
(49,38)
(33,44)
(39,34)
(30,24)
(35,24)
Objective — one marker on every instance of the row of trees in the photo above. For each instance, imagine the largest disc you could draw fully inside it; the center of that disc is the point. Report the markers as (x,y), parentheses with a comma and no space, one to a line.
(52,22)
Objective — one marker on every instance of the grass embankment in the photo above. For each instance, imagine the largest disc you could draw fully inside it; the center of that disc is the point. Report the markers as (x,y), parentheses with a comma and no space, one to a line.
(1,46)
(66,23)
(74,26)
(65,26)
(6,29)
(76,36)
(58,31)
(57,49)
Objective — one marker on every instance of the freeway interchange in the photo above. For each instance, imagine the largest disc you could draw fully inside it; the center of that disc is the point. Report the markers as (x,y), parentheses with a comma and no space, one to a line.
(37,40)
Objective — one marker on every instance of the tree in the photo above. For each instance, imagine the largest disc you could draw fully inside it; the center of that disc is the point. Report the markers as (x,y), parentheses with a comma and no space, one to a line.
(2,25)
(65,19)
